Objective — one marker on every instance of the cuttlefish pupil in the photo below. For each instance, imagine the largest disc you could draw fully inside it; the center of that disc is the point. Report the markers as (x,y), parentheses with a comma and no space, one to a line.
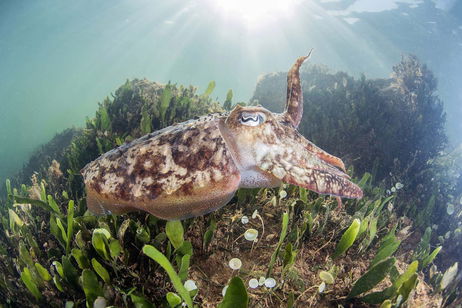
(195,167)
(252,119)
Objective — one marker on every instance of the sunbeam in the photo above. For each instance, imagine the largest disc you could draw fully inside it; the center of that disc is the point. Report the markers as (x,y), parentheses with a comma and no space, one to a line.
(255,14)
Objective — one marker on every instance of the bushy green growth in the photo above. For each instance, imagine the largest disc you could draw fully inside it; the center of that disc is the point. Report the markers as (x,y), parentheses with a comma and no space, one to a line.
(54,256)
(165,104)
(77,257)
(42,158)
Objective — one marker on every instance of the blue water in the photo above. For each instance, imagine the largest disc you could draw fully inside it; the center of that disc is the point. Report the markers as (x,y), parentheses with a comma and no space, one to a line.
(59,58)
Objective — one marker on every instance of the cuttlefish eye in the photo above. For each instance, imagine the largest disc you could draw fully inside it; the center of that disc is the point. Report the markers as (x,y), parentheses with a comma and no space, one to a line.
(252,118)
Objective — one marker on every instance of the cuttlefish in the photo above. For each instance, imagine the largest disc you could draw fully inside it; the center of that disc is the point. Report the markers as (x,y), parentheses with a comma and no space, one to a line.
(195,167)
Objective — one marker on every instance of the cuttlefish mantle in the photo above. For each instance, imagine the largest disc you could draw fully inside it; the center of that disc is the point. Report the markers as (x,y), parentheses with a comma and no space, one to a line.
(195,167)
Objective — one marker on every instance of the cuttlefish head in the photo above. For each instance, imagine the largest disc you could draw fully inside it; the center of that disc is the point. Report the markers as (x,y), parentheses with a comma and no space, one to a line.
(269,143)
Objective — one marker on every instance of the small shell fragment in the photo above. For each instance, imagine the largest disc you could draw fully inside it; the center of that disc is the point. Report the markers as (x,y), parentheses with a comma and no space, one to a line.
(322,287)
(235,263)
(100,302)
(270,282)
(190,285)
(223,292)
(251,234)
(261,281)
(253,283)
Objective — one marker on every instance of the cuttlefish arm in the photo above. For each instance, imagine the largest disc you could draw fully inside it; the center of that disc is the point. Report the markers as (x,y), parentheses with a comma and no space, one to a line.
(298,161)
(294,102)
(323,155)
(294,109)
(297,164)
(316,180)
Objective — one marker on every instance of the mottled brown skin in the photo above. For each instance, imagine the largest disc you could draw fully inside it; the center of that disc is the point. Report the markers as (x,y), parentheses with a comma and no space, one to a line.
(195,167)
(179,168)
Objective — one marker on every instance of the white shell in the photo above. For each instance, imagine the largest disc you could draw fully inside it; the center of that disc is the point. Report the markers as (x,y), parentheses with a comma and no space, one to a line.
(235,263)
(251,234)
(270,282)
(190,285)
(223,292)
(253,283)
(322,287)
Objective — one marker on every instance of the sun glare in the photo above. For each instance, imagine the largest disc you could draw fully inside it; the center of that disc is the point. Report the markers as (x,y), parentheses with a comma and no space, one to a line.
(255,13)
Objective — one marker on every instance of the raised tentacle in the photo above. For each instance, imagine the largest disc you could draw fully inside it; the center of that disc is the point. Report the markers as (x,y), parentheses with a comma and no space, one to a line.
(294,104)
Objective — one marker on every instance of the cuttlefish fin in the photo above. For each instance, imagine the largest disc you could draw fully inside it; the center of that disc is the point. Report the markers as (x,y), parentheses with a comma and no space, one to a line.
(100,205)
(197,201)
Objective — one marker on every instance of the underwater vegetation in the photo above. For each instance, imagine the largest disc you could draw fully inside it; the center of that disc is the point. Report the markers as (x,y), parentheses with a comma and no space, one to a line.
(270,247)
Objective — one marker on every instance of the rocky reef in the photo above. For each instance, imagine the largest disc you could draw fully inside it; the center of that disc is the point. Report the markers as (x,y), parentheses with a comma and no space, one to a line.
(282,247)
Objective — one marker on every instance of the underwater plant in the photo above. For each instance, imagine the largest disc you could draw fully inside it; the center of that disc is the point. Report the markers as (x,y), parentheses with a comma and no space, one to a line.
(54,253)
